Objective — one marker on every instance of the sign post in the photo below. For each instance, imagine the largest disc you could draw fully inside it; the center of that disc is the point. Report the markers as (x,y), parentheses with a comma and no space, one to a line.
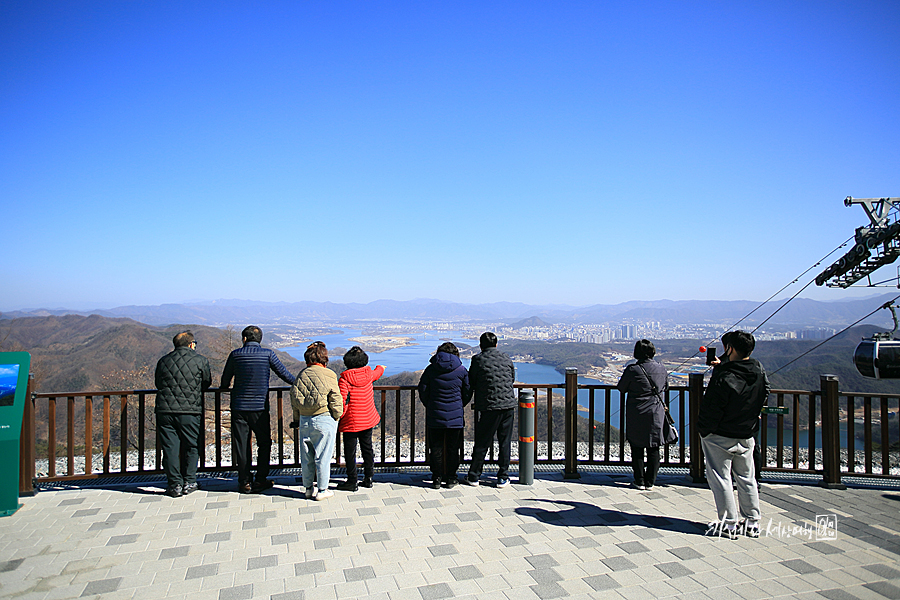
(14,368)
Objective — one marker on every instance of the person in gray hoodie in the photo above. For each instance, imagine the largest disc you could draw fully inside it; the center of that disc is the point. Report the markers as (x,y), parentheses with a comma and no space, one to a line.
(728,421)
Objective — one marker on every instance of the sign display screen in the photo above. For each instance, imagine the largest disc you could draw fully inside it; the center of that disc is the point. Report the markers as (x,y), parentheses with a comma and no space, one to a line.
(9,376)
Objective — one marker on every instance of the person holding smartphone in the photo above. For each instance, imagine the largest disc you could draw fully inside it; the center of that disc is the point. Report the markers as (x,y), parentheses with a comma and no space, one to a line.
(727,423)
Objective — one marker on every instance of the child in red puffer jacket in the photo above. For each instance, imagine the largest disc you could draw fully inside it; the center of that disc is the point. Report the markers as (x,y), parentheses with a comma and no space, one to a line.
(360,415)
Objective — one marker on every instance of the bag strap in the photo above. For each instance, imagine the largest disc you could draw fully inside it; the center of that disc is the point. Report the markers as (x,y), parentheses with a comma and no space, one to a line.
(654,388)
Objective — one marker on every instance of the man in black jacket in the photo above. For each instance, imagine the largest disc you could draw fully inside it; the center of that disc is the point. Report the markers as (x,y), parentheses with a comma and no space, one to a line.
(727,423)
(181,378)
(492,376)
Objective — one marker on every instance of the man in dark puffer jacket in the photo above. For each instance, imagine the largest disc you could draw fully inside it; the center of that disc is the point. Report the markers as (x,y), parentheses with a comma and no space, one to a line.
(181,378)
(249,366)
(492,375)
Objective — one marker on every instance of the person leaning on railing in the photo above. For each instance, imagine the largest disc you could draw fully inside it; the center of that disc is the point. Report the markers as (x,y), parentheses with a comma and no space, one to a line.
(360,416)
(444,390)
(181,377)
(249,366)
(318,406)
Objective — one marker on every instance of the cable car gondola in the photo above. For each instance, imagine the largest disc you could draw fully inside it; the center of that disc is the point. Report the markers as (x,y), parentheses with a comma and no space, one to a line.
(878,357)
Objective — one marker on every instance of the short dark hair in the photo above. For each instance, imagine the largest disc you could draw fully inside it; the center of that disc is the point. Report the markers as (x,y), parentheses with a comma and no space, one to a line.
(742,342)
(183,339)
(316,353)
(449,348)
(355,358)
(252,333)
(488,340)
(644,349)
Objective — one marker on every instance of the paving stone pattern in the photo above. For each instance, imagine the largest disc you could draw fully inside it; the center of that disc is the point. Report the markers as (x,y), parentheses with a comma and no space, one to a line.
(588,538)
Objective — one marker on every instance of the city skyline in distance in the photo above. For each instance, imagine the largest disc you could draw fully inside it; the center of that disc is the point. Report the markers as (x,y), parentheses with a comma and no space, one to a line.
(800,313)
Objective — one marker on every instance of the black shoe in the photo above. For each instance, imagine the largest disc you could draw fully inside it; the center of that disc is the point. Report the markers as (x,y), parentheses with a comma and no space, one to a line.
(435,483)
(245,488)
(452,482)
(191,487)
(261,486)
(366,482)
(348,486)
(174,491)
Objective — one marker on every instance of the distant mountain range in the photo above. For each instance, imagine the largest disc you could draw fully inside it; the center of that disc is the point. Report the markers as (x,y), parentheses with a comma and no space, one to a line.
(798,313)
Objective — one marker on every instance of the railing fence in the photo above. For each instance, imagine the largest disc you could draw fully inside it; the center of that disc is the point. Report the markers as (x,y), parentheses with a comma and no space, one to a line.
(113,433)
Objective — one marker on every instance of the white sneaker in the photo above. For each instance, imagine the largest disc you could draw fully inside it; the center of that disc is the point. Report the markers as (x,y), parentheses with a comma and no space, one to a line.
(503,482)
(472,482)
(310,493)
(324,494)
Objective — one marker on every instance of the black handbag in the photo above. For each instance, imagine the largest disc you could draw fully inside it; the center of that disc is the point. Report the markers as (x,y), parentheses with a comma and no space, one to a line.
(670,432)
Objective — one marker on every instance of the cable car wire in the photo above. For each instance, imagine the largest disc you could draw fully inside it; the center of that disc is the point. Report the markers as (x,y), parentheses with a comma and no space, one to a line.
(834,336)
(766,301)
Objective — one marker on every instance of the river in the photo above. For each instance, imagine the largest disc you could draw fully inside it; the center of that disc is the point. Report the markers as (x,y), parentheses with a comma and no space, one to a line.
(415,357)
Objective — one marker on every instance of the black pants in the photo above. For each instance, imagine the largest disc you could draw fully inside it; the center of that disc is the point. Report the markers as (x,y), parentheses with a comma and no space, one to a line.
(365,448)
(179,435)
(444,446)
(644,476)
(490,422)
(242,423)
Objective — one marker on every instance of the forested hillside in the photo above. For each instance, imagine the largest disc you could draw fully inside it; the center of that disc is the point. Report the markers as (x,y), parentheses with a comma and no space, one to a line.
(77,354)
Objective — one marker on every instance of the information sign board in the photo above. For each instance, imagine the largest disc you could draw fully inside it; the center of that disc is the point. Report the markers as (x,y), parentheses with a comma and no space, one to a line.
(14,368)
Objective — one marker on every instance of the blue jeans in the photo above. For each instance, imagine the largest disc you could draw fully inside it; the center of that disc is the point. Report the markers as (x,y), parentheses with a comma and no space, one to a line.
(317,435)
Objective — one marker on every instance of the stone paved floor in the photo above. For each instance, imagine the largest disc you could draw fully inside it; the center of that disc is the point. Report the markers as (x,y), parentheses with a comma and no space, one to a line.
(588,538)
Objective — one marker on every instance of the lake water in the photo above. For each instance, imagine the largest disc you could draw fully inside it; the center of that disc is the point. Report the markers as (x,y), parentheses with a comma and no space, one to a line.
(415,357)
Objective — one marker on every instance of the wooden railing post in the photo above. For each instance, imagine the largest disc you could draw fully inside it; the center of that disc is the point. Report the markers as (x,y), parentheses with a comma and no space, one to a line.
(26,444)
(831,437)
(695,393)
(571,443)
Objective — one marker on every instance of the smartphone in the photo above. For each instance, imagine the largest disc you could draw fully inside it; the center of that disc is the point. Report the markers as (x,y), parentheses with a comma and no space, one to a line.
(710,355)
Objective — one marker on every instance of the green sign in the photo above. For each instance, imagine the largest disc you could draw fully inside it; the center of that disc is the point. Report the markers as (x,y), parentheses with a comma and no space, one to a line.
(775,410)
(13,388)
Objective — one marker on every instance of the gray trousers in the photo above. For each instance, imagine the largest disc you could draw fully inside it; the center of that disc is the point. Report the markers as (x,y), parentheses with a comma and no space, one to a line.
(725,456)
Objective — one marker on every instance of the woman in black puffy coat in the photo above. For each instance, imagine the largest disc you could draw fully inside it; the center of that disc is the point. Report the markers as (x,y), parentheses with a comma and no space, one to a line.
(444,390)
(644,412)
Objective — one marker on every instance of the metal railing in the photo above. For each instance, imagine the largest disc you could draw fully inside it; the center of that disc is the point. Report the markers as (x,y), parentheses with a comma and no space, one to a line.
(79,435)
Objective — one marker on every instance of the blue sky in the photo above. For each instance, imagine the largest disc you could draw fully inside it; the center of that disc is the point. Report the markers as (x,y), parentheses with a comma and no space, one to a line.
(549,152)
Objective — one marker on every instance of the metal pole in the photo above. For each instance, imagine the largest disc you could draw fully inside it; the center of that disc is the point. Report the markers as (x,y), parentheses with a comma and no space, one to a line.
(695,393)
(26,444)
(831,440)
(526,437)
(571,466)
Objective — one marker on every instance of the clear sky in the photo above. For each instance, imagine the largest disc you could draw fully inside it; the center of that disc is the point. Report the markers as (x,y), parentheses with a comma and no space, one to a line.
(544,152)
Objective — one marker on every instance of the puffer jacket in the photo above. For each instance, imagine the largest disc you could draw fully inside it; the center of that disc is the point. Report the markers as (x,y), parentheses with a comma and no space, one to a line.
(492,375)
(315,392)
(249,366)
(733,400)
(444,390)
(181,377)
(359,398)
